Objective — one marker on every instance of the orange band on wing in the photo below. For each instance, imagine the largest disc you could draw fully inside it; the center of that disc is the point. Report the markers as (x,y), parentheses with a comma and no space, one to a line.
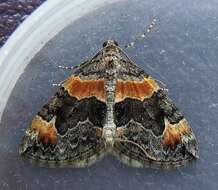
(85,88)
(135,89)
(173,133)
(46,131)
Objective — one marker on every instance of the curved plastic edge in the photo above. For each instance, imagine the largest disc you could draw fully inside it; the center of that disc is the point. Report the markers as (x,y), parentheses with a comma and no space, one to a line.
(43,24)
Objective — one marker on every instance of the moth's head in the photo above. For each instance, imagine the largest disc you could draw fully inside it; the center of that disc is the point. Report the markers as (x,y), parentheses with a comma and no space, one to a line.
(110,43)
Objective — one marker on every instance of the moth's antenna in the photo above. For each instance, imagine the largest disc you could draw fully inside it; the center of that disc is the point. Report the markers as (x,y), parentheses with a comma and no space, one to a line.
(142,36)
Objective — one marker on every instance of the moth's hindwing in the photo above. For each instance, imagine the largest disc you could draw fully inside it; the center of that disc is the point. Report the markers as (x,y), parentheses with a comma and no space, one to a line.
(67,130)
(152,131)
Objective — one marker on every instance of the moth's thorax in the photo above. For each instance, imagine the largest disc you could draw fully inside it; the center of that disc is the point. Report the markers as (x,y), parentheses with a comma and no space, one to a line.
(111,59)
(111,52)
(111,55)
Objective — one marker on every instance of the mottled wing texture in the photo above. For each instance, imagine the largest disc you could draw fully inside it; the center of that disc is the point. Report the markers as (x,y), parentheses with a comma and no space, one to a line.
(152,131)
(109,105)
(68,129)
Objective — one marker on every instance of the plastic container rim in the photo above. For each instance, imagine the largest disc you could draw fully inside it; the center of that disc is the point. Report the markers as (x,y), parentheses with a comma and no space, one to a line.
(43,24)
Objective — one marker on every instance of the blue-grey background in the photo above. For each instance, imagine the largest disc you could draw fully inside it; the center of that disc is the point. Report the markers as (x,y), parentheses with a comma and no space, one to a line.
(181,52)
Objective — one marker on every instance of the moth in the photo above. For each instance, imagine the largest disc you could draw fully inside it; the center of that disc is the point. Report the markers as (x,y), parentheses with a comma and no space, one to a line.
(109,105)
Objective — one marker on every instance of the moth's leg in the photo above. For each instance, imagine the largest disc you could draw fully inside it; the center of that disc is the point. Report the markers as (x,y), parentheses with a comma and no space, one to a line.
(162,85)
(60,84)
(65,67)
(143,35)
